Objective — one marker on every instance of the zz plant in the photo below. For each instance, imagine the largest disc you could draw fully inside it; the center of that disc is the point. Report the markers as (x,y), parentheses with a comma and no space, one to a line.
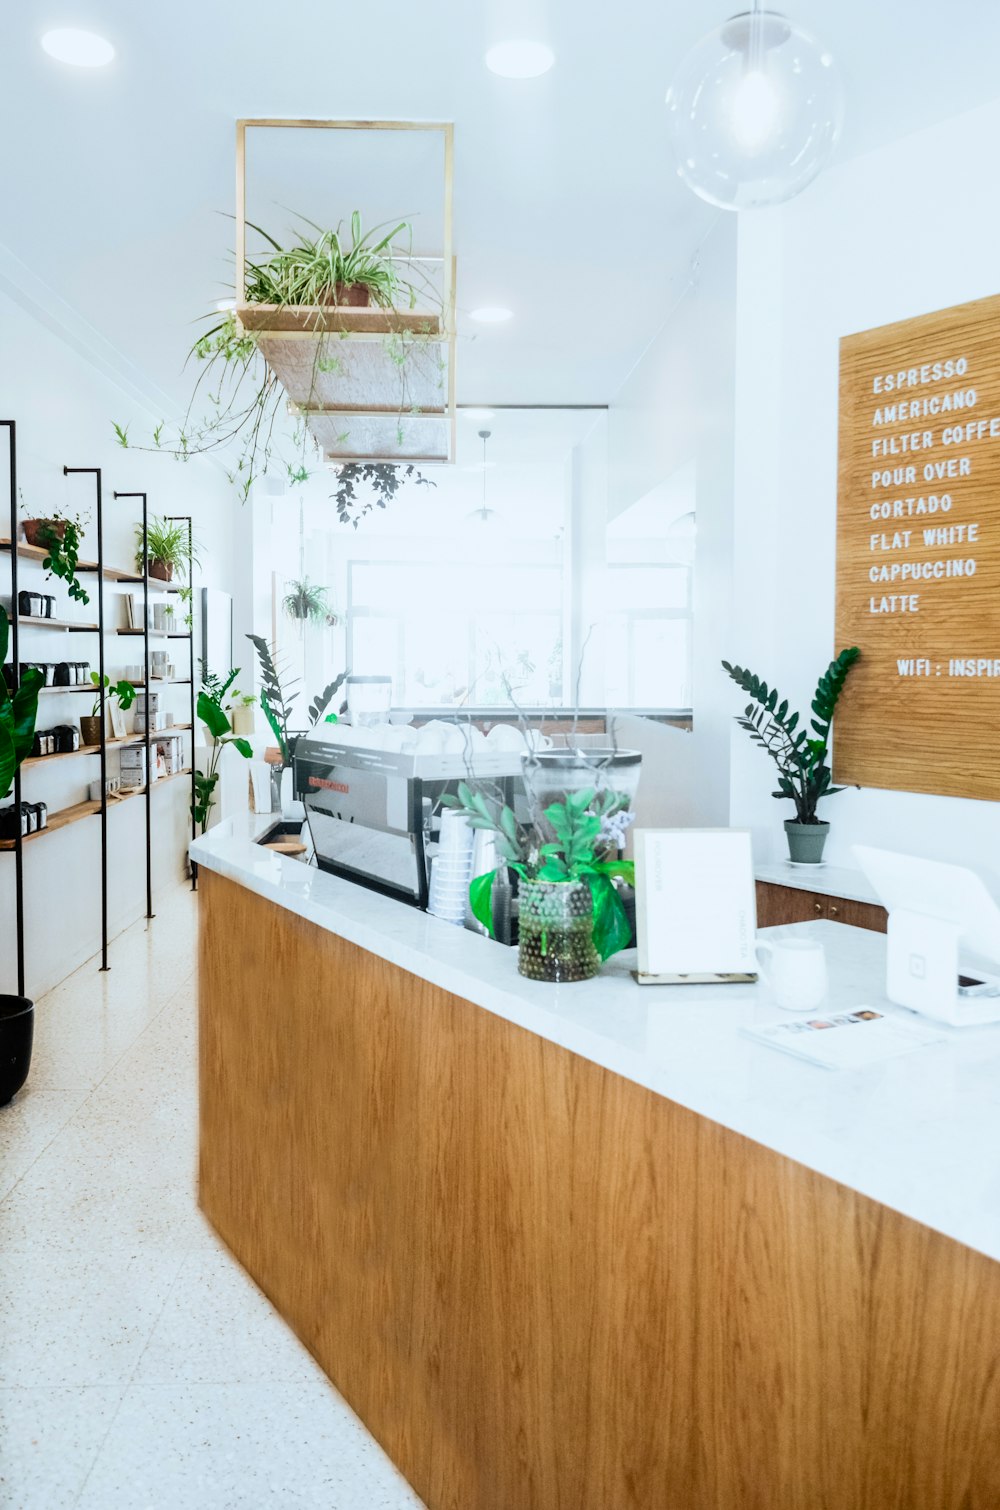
(18,712)
(801,756)
(277,697)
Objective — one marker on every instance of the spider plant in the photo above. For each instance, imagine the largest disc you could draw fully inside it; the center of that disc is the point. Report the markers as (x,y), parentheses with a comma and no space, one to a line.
(320,269)
(168,546)
(246,402)
(304,601)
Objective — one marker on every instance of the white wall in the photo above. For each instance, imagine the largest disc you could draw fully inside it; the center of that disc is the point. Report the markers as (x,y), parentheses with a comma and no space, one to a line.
(911,228)
(63,404)
(675,410)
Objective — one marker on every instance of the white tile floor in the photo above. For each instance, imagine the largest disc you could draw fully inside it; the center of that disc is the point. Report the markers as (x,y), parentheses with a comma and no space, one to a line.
(139,1366)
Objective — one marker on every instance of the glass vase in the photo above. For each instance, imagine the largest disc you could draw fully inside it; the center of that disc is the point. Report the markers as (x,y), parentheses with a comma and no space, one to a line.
(556,931)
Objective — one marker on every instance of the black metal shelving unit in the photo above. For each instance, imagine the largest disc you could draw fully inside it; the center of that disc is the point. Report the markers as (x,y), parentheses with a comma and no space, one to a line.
(103,574)
(148,794)
(11,427)
(95,472)
(186,519)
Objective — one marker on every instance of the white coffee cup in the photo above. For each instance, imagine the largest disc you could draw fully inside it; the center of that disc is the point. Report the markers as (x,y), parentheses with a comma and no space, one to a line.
(796,972)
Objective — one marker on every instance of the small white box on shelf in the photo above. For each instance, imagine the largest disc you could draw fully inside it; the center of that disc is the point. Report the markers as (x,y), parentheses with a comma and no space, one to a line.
(157,721)
(170,747)
(133,766)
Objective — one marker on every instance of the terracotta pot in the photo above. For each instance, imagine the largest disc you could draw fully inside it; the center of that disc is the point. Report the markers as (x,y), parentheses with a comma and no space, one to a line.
(353,295)
(163,571)
(33,530)
(90,730)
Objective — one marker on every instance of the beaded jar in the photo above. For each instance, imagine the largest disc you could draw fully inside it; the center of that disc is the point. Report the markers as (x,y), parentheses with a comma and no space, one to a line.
(556,931)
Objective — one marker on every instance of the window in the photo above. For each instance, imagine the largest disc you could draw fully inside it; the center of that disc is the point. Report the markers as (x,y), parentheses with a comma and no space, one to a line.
(457,632)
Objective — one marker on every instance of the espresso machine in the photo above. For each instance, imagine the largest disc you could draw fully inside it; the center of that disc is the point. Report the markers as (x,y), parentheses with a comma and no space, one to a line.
(369,810)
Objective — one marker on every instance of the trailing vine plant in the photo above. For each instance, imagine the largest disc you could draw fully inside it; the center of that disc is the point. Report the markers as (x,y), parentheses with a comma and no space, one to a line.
(61,536)
(246,401)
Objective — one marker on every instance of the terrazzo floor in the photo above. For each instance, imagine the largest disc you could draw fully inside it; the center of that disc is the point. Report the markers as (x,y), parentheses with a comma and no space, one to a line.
(140,1368)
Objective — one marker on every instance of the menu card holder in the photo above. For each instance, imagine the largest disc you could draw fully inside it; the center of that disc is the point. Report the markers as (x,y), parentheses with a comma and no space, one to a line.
(696,915)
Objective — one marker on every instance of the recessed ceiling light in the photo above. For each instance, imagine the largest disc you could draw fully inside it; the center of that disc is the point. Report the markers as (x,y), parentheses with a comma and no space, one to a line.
(520,60)
(477,413)
(491,314)
(84,49)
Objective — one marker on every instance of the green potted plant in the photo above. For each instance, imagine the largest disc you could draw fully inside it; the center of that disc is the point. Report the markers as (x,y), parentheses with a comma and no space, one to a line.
(804,775)
(307,603)
(18,712)
(124,694)
(571,916)
(246,399)
(59,535)
(169,547)
(276,699)
(213,716)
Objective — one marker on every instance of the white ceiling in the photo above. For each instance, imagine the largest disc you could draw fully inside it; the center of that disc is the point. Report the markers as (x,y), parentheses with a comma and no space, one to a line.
(567,206)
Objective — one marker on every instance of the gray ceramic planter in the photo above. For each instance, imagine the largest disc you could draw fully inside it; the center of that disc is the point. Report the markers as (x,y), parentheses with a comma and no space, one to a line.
(806,841)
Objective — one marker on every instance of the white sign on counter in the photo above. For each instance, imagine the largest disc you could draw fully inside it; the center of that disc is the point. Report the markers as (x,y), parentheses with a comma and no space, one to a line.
(696,914)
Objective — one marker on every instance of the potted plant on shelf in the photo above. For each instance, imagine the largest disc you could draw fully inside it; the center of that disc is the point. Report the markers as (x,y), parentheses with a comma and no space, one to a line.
(60,536)
(169,547)
(571,915)
(213,716)
(124,694)
(804,776)
(18,712)
(307,603)
(240,709)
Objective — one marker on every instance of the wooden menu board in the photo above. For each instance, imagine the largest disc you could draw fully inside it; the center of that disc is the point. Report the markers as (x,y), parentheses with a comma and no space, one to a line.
(918,554)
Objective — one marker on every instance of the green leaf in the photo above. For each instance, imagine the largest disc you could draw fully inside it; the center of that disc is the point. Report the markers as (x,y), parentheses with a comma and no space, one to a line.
(22,711)
(213,716)
(269,714)
(481,900)
(611,926)
(8,759)
(244,746)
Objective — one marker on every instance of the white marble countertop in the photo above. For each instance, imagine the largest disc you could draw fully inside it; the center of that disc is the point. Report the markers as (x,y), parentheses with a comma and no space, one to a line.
(828,880)
(920,1134)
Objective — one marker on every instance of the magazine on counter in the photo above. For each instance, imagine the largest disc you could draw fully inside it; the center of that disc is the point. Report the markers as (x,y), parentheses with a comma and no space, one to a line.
(846,1040)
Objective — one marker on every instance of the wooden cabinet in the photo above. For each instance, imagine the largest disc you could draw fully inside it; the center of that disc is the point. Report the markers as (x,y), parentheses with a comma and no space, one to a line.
(788,904)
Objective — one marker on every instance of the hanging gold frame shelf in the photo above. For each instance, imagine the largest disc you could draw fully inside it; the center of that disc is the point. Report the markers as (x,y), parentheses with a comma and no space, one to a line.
(371,384)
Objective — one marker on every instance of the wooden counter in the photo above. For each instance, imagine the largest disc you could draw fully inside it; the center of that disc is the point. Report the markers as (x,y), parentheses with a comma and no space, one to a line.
(545,1287)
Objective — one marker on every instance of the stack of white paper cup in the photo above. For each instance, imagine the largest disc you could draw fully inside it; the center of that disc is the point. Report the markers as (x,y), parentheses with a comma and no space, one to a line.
(451,869)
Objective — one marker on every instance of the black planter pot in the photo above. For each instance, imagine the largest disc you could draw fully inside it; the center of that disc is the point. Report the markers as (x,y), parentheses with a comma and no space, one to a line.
(17,1021)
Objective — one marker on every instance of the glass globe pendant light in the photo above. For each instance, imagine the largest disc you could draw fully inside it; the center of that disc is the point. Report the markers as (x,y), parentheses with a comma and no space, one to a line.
(755,111)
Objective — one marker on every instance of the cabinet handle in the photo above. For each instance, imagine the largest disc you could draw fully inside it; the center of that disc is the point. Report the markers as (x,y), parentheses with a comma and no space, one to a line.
(834,912)
(818,907)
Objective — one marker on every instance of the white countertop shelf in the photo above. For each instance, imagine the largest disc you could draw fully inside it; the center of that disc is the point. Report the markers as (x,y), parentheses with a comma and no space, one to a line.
(827,880)
(920,1134)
